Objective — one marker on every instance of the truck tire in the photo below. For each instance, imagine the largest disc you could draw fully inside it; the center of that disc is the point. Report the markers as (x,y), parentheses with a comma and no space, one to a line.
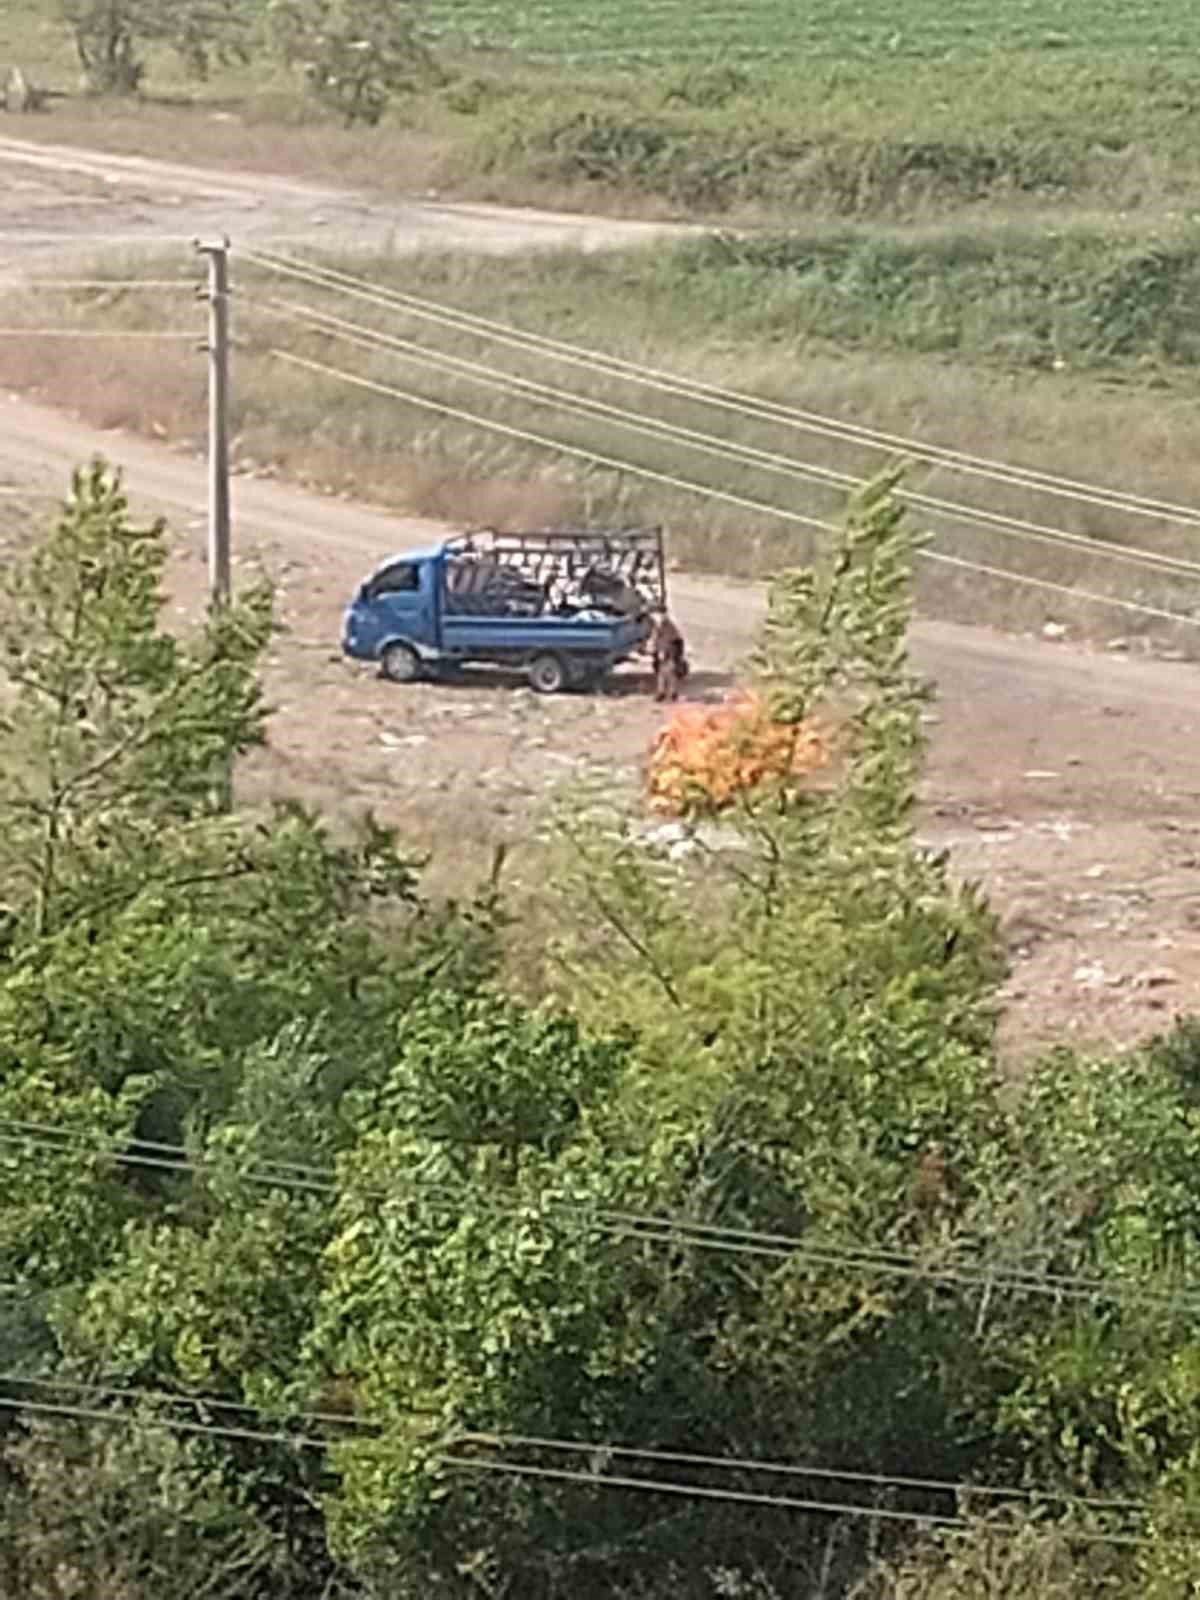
(585,675)
(547,674)
(400,663)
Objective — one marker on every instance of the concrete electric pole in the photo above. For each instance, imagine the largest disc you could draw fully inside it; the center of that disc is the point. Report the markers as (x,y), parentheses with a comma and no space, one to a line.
(219,563)
(220,569)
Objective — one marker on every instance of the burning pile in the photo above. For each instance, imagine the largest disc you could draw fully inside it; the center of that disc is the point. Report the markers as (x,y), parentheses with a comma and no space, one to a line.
(706,756)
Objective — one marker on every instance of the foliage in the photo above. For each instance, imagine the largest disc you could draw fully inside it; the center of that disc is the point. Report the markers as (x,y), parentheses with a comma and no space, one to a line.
(125,1515)
(186,1000)
(706,757)
(1005,1556)
(842,636)
(356,56)
(274,1138)
(113,731)
(497,1297)
(110,37)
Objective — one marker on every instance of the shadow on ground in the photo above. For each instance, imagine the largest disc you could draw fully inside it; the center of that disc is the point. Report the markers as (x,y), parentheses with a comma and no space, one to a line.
(700,686)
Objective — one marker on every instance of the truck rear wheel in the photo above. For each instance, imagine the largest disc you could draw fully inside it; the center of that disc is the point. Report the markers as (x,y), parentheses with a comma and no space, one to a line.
(585,675)
(400,663)
(547,674)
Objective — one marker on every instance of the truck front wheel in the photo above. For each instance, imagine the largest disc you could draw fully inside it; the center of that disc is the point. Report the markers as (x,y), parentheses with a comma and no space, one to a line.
(547,674)
(400,663)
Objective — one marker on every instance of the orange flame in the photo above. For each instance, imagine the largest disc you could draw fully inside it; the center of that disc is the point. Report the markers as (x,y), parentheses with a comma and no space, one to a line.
(706,756)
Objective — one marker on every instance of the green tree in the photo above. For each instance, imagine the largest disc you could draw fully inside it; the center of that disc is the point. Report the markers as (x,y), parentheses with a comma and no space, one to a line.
(125,1514)
(112,730)
(111,36)
(1010,1555)
(821,1070)
(355,56)
(1098,1391)
(186,1000)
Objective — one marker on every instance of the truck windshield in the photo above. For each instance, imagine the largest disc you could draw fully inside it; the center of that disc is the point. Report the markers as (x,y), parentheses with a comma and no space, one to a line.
(402,578)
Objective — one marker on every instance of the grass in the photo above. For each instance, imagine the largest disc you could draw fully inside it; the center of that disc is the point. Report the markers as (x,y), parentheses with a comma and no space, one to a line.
(20,509)
(1073,355)
(1110,122)
(670,30)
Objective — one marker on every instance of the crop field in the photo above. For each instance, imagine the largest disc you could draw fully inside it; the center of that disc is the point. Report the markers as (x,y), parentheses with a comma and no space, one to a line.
(616,31)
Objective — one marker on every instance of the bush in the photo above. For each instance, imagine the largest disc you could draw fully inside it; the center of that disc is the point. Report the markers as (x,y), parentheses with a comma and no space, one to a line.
(355,56)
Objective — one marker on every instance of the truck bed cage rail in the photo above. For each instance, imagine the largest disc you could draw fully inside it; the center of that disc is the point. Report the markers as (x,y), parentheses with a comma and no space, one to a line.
(634,556)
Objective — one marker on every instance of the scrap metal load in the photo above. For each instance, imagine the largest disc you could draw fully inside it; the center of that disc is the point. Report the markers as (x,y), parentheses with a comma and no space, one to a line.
(563,574)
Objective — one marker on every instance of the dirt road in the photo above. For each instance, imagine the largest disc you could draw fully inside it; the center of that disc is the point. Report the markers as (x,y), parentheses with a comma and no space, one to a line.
(58,198)
(1067,781)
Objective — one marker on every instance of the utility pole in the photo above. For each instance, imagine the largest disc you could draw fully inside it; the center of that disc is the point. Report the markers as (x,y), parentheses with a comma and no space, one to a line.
(220,573)
(219,564)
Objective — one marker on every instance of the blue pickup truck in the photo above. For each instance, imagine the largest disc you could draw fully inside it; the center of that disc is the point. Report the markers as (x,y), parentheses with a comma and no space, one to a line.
(563,607)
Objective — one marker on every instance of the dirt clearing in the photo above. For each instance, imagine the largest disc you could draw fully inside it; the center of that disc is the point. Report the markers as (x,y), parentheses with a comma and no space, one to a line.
(1049,781)
(1066,781)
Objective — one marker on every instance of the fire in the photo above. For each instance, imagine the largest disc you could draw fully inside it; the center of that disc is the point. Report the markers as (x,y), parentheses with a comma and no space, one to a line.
(706,756)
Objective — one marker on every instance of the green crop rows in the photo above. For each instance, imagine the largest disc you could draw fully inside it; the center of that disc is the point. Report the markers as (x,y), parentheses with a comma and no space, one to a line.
(617,31)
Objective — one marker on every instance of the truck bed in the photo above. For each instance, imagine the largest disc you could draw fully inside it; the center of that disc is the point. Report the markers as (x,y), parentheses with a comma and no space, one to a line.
(502,638)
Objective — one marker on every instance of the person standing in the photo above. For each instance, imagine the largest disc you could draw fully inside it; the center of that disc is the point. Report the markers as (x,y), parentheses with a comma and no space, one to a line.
(668,654)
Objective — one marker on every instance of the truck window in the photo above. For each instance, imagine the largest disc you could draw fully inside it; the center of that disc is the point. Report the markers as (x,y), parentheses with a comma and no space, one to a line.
(403,578)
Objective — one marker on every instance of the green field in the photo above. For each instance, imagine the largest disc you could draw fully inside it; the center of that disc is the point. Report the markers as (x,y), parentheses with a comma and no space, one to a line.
(768,111)
(678,30)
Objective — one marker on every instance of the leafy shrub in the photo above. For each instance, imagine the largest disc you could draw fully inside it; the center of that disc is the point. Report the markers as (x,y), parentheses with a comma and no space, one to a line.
(355,56)
(706,758)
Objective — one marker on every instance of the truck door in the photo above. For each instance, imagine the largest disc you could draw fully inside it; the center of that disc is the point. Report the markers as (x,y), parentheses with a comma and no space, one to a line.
(402,600)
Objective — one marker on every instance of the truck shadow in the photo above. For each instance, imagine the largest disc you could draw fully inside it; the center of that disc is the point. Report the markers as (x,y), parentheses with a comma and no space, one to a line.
(700,688)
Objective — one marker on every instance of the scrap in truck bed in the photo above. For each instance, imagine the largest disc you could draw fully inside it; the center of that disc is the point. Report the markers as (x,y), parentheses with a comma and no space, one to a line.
(560,572)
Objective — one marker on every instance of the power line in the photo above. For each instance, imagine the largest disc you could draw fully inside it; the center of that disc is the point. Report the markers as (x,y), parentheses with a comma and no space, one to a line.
(23,285)
(159,1164)
(1070,590)
(494,377)
(657,428)
(878,1480)
(93,333)
(746,455)
(553,444)
(306,1176)
(592,1448)
(165,1397)
(650,1228)
(695,1491)
(728,399)
(741,501)
(749,1497)
(174,1424)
